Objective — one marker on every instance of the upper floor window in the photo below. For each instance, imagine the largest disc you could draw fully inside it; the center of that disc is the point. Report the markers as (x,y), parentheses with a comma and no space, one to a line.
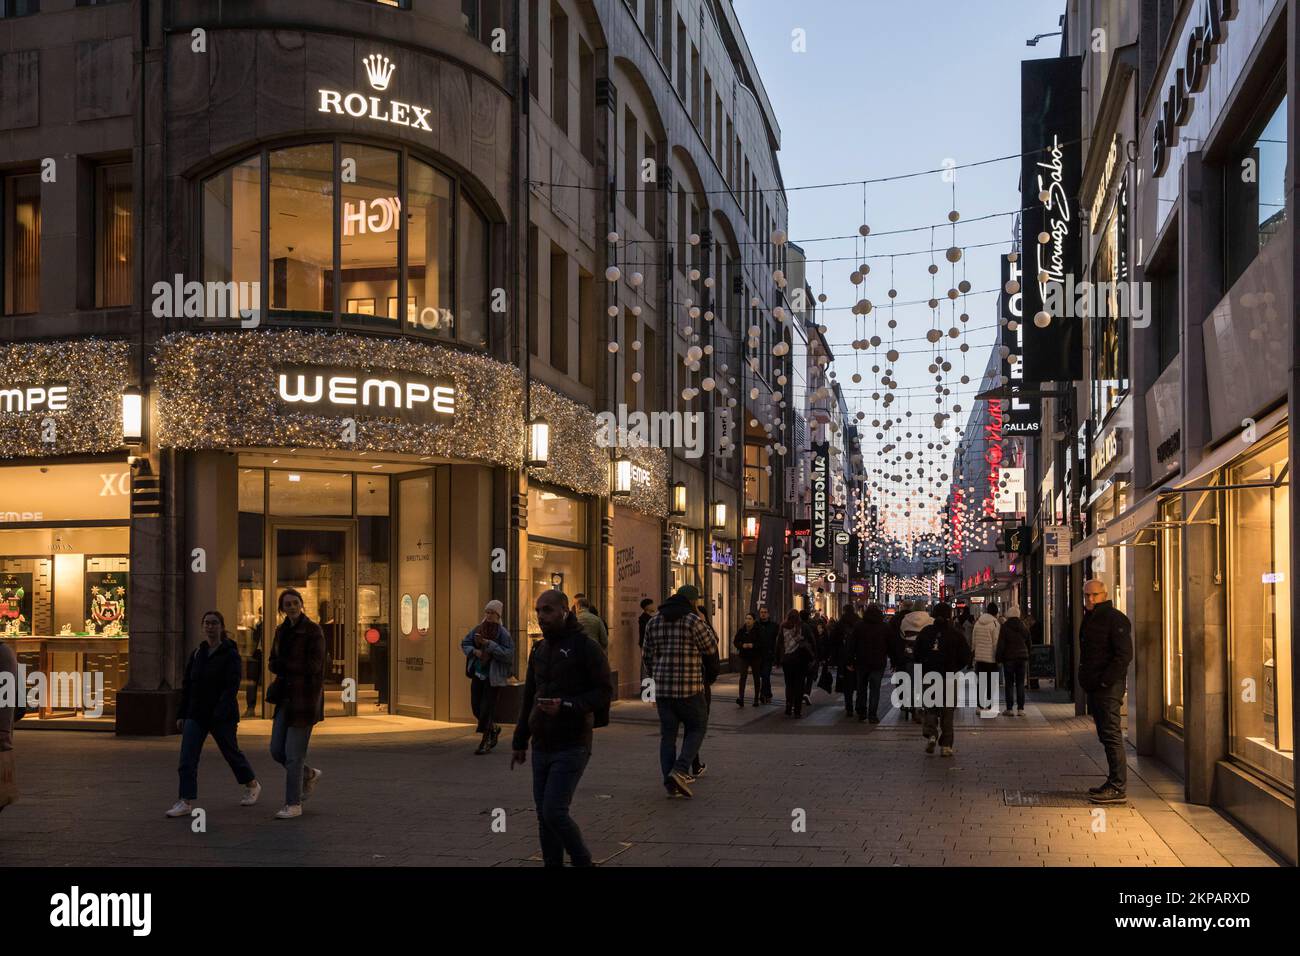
(114,235)
(354,233)
(19,8)
(1254,205)
(479,18)
(21,207)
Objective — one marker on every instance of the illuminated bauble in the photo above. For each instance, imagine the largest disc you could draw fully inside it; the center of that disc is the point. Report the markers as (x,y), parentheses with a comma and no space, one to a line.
(778,313)
(687,330)
(952,294)
(708,350)
(965,347)
(934,335)
(778,237)
(694,366)
(755,302)
(778,275)
(821,297)
(1012,325)
(694,275)
(965,379)
(731,403)
(612,311)
(1043,319)
(1044,195)
(857,377)
(781,380)
(708,315)
(693,312)
(964,285)
(708,282)
(866,306)
(611,237)
(636,376)
(635,279)
(781,348)
(893,323)
(636,310)
(1044,238)
(855,277)
(693,238)
(953,254)
(893,293)
(693,353)
(1004,350)
(1043,277)
(613,347)
(1012,287)
(687,394)
(613,274)
(707,384)
(965,317)
(875,341)
(1013,257)
(934,303)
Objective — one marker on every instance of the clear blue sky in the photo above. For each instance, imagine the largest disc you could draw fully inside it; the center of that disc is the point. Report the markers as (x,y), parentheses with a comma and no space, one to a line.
(889,87)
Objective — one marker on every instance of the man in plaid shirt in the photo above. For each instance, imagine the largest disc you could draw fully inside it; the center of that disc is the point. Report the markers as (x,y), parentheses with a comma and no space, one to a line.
(681,654)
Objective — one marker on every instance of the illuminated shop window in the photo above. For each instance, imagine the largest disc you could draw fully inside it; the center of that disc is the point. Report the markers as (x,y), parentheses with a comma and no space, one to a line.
(343,219)
(557,548)
(1259,615)
(1171,589)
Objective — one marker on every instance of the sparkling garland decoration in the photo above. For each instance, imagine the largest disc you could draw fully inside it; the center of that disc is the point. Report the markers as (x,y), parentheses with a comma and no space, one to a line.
(95,372)
(217,390)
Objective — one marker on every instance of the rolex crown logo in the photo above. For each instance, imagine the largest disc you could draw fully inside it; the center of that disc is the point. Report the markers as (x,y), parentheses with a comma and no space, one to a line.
(379,70)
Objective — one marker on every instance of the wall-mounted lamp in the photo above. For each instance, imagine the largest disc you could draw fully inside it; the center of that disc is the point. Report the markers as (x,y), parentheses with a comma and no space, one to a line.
(679,499)
(718,515)
(621,476)
(539,443)
(751,526)
(132,415)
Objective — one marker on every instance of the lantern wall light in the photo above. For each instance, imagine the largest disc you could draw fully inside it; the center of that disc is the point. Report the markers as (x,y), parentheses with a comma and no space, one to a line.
(539,443)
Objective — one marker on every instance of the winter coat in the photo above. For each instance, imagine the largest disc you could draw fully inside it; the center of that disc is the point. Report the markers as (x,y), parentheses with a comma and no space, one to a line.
(1013,641)
(574,668)
(210,688)
(501,664)
(870,644)
(594,627)
(941,649)
(798,640)
(752,637)
(298,660)
(984,639)
(1105,647)
(839,649)
(769,639)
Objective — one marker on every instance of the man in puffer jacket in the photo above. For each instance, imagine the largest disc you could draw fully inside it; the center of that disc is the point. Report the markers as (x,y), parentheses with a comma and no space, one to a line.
(1013,655)
(984,645)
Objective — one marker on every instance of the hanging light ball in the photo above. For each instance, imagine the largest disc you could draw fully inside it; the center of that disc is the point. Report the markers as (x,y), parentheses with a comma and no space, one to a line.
(613,347)
(612,311)
(934,303)
(636,376)
(636,310)
(708,282)
(864,230)
(707,384)
(778,237)
(1012,287)
(893,323)
(954,332)
(1012,325)
(821,297)
(694,275)
(693,238)
(953,254)
(1044,238)
(855,277)
(778,313)
(613,274)
(893,293)
(952,294)
(933,269)
(857,377)
(693,312)
(954,216)
(1043,319)
(611,238)
(964,286)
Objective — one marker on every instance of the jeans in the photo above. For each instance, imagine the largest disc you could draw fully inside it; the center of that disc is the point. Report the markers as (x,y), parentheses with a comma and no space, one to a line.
(795,675)
(766,668)
(1015,671)
(939,720)
(556,774)
(483,701)
(289,749)
(850,685)
(691,713)
(192,739)
(746,667)
(869,692)
(1105,707)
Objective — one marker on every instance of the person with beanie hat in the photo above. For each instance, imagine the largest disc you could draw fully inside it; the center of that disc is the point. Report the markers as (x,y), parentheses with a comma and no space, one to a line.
(489,661)
(1013,655)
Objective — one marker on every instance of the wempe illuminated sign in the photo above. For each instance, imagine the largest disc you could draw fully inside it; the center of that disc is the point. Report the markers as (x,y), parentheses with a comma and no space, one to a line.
(341,392)
(34,398)
(379,70)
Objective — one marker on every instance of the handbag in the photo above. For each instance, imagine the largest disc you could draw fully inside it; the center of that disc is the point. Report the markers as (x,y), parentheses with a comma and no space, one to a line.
(8,783)
(275,693)
(824,680)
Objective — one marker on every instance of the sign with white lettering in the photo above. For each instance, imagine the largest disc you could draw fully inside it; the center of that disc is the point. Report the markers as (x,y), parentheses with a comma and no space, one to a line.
(1023,416)
(344,393)
(34,398)
(820,479)
(379,71)
(1202,49)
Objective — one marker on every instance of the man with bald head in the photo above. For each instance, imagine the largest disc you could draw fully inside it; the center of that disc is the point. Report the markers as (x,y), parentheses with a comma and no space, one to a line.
(566,687)
(1105,651)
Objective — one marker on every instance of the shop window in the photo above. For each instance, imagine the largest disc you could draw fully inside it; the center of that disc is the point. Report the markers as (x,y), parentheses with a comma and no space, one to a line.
(250,626)
(685,558)
(113,236)
(22,244)
(758,492)
(373,639)
(1171,592)
(311,493)
(300,252)
(586,101)
(446,239)
(557,552)
(371,218)
(1259,615)
(232,229)
(559,323)
(472,275)
(1254,205)
(1110,324)
(552,514)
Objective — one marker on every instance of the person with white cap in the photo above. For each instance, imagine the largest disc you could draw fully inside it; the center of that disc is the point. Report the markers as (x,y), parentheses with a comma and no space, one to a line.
(489,661)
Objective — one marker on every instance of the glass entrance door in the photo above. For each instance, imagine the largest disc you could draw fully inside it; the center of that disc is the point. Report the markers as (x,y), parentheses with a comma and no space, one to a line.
(316,561)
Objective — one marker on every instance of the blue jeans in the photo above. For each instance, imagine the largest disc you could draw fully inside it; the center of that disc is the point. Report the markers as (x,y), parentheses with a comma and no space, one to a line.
(555,778)
(193,737)
(289,749)
(691,713)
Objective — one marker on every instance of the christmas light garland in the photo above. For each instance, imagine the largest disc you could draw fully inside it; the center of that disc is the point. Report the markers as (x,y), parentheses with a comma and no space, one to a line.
(94,371)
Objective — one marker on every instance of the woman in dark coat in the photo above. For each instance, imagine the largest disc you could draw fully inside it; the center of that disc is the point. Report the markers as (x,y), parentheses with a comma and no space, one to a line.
(210,705)
(840,654)
(1013,654)
(298,693)
(749,645)
(798,655)
(868,654)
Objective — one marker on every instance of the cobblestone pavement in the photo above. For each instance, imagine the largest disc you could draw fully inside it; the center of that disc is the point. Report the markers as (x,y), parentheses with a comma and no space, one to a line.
(870,796)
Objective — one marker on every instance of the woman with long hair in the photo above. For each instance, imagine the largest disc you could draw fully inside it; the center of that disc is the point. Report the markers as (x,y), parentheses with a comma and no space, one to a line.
(298,693)
(210,705)
(797,658)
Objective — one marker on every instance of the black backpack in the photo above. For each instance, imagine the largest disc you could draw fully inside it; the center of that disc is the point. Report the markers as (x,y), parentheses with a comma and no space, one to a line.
(599,716)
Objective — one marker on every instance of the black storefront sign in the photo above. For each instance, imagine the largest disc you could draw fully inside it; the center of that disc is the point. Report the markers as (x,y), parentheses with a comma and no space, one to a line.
(1021,416)
(1016,540)
(768,566)
(821,549)
(1050,124)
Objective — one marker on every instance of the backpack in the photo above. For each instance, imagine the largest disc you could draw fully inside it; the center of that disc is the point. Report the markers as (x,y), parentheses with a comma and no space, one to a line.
(599,716)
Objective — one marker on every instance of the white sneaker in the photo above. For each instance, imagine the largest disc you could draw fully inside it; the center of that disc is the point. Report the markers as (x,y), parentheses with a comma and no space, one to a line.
(309,782)
(181,808)
(289,811)
(1020,712)
(251,793)
(945,751)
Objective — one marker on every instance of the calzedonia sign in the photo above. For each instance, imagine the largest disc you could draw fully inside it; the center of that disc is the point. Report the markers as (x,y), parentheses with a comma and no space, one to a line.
(821,531)
(349,392)
(379,71)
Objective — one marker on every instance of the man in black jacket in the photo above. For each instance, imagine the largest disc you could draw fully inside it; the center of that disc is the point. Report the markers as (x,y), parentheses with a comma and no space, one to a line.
(568,683)
(1105,651)
(942,651)
(768,635)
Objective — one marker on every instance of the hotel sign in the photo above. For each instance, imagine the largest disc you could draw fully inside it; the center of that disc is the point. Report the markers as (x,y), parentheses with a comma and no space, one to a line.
(345,393)
(379,71)
(1022,415)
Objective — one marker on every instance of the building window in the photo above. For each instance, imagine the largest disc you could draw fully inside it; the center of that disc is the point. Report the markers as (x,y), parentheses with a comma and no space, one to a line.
(587,329)
(113,236)
(559,324)
(1259,615)
(22,244)
(557,547)
(323,196)
(758,491)
(559,68)
(631,182)
(1164,289)
(586,101)
(1254,205)
(1171,588)
(1110,325)
(19,8)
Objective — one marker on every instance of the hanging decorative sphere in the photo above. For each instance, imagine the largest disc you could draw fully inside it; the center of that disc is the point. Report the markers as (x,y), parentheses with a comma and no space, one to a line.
(781,380)
(693,238)
(855,277)
(864,230)
(778,237)
(778,313)
(893,293)
(1043,319)
(1012,287)
(953,254)
(636,376)
(612,311)
(821,297)
(613,347)
(693,312)
(964,286)
(1013,257)
(1044,238)
(952,294)
(857,377)
(1012,325)
(636,310)
(694,275)
(893,323)
(707,384)
(611,238)
(613,274)
(934,303)
(933,269)
(755,302)
(875,341)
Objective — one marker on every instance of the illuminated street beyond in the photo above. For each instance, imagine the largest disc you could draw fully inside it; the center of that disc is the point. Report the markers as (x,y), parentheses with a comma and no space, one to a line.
(870,796)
